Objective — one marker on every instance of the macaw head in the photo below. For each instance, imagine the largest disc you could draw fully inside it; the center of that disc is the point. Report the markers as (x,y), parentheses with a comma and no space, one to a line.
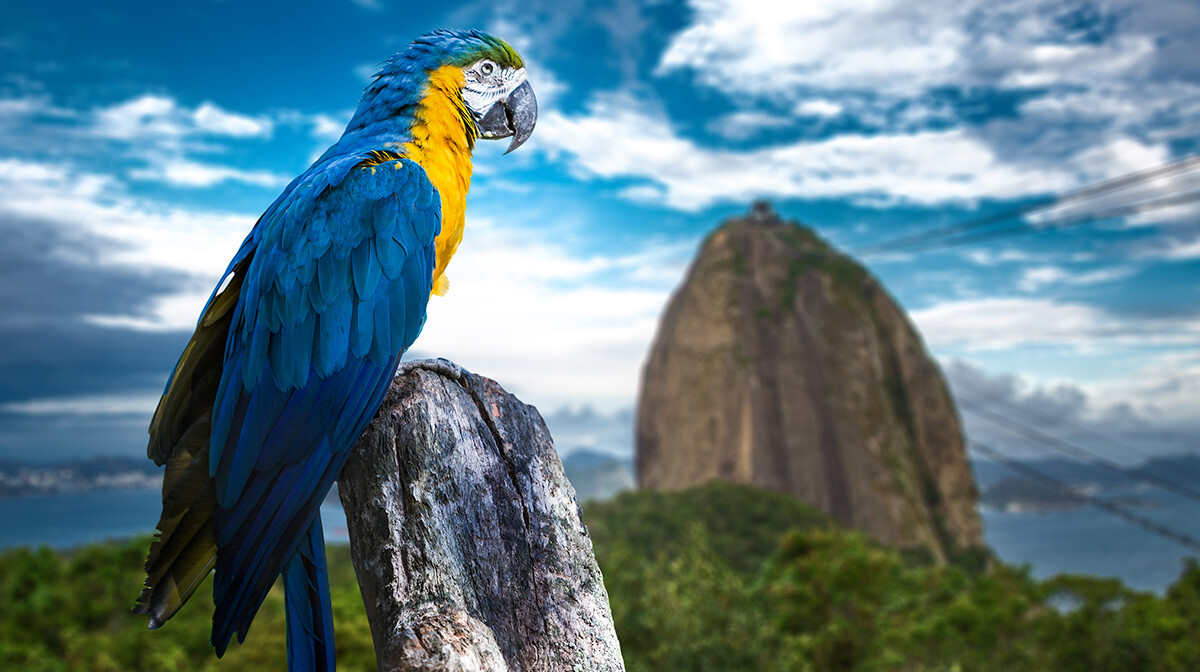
(483,72)
(495,90)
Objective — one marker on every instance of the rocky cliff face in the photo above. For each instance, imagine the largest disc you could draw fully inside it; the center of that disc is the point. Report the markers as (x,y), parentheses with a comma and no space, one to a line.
(782,364)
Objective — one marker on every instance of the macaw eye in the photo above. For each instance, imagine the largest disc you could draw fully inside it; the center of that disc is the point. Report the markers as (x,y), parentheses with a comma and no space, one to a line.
(486,68)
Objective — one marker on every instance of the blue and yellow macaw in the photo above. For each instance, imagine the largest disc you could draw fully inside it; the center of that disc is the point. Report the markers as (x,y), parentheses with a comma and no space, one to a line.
(299,341)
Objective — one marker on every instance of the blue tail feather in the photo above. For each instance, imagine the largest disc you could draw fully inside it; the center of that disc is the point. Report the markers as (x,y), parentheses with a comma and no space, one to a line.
(310,643)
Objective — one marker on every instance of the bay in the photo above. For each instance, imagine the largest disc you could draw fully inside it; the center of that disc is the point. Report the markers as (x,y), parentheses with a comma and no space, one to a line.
(1084,540)
(1087,540)
(74,519)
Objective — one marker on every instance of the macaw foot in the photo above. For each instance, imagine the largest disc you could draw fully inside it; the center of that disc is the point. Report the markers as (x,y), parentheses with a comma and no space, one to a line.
(440,366)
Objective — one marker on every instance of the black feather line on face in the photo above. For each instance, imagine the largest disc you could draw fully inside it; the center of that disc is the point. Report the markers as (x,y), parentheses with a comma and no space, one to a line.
(480,92)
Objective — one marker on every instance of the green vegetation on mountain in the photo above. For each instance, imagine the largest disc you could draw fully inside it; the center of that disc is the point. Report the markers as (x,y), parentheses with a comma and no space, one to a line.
(721,578)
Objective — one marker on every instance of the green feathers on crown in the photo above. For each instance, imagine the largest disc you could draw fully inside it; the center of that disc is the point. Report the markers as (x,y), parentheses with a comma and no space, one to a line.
(473,45)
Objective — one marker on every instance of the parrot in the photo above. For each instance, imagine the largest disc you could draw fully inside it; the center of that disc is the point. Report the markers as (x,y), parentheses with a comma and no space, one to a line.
(301,337)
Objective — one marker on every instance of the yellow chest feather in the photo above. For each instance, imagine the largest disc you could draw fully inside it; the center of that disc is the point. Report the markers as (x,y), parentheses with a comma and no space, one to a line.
(442,139)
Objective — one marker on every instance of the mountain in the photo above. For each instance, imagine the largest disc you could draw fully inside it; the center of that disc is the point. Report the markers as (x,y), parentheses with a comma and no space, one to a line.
(596,475)
(988,474)
(1179,468)
(783,364)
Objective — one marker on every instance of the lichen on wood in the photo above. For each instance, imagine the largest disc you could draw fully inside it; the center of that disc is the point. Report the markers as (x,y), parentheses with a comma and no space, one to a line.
(466,536)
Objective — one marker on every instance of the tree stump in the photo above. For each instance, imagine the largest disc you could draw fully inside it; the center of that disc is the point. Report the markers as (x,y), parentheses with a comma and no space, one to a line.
(466,536)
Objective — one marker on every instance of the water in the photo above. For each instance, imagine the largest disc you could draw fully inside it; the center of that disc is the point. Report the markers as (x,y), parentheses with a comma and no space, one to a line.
(63,521)
(1085,540)
(69,520)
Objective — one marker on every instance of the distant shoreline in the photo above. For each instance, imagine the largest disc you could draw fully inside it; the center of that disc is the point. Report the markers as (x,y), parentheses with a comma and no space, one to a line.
(1018,507)
(98,474)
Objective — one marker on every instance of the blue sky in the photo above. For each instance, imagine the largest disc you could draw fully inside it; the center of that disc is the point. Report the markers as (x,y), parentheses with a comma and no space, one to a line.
(140,141)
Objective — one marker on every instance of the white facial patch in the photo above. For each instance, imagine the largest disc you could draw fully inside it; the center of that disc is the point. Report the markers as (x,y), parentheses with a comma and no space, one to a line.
(481,91)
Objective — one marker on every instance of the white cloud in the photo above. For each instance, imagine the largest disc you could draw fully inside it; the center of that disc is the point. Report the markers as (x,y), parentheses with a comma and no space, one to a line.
(892,47)
(1038,278)
(746,124)
(995,258)
(1145,201)
(1151,412)
(1178,249)
(620,137)
(106,404)
(1121,155)
(1055,64)
(1166,389)
(329,128)
(211,119)
(154,131)
(161,134)
(767,48)
(1085,76)
(1007,323)
(184,173)
(160,117)
(145,115)
(150,234)
(554,326)
(32,106)
(819,107)
(174,312)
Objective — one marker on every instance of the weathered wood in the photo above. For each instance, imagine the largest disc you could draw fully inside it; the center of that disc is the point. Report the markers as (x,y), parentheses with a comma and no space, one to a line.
(466,535)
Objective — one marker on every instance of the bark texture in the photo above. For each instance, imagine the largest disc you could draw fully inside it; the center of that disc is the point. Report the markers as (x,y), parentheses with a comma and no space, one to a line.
(783,364)
(466,536)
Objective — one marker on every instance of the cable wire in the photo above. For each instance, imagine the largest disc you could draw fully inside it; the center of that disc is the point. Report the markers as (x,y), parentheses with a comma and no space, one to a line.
(1057,224)
(1060,445)
(1113,185)
(1165,531)
(1045,419)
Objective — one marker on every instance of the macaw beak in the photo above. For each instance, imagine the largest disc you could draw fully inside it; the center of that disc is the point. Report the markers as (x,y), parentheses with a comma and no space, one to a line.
(514,116)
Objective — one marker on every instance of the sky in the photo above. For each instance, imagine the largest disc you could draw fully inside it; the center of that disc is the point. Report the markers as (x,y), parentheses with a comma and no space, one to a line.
(139,141)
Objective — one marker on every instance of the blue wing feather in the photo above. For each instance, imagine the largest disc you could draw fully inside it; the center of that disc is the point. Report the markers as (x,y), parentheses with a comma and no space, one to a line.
(362,328)
(381,344)
(415,292)
(280,311)
(338,278)
(331,276)
(366,268)
(262,530)
(391,258)
(332,338)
